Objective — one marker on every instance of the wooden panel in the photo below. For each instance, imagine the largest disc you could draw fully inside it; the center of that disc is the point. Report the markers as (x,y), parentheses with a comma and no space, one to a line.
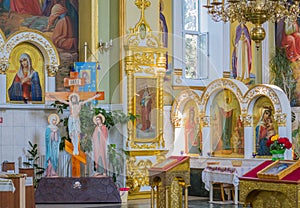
(19,194)
(6,199)
(8,166)
(29,188)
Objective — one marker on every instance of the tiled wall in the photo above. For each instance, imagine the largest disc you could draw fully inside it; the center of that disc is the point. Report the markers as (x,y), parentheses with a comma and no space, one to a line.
(20,126)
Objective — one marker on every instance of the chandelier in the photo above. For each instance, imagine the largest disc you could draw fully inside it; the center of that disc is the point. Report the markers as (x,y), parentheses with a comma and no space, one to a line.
(255,11)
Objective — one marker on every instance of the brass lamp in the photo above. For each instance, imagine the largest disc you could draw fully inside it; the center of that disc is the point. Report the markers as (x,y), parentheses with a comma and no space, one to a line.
(255,11)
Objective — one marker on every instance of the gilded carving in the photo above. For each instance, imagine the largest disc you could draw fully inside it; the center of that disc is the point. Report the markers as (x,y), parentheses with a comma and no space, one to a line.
(247,120)
(205,121)
(280,119)
(179,102)
(260,90)
(51,56)
(137,173)
(221,84)
(269,194)
(175,199)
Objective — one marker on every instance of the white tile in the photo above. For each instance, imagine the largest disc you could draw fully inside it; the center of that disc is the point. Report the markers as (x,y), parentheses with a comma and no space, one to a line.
(30,132)
(19,118)
(7,136)
(8,153)
(42,119)
(30,118)
(18,134)
(8,118)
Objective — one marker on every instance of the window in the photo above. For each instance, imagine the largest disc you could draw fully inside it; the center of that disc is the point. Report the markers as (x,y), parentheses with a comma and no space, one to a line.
(195,43)
(190,41)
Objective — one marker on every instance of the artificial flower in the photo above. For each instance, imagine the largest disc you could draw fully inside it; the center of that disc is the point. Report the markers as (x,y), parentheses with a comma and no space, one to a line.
(278,143)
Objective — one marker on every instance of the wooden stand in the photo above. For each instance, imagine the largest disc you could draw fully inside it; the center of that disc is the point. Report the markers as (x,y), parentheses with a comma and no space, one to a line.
(6,195)
(29,188)
(17,198)
(170,178)
(8,167)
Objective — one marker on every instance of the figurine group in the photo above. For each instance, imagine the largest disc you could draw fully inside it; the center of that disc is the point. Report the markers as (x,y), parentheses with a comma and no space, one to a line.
(53,139)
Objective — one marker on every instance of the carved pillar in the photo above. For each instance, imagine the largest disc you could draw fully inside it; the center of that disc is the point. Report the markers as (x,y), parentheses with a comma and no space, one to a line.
(129,71)
(186,196)
(152,196)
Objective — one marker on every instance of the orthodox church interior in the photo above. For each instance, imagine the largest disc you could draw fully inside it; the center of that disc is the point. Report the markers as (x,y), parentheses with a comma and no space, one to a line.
(149,103)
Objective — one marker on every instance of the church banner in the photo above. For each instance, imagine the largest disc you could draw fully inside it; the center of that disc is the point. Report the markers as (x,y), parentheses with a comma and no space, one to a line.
(87,71)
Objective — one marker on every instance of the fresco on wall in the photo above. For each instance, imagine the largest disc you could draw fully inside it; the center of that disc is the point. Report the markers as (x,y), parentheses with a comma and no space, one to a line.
(288,40)
(192,130)
(165,20)
(227,138)
(242,53)
(296,132)
(56,19)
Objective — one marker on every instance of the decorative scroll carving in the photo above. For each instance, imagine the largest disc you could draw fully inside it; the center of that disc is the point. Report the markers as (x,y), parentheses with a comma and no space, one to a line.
(247,120)
(48,49)
(179,103)
(260,90)
(137,173)
(268,194)
(205,121)
(280,119)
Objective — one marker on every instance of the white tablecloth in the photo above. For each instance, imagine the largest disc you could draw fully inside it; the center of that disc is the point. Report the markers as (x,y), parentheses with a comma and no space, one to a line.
(223,174)
(6,185)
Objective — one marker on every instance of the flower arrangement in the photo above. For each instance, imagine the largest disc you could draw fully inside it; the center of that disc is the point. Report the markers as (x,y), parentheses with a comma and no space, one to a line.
(279,143)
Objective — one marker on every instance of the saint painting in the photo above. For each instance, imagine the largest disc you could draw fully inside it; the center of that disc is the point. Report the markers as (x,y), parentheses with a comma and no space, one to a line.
(146,108)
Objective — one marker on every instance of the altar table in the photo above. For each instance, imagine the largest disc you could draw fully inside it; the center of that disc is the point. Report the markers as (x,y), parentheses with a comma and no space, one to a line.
(265,192)
(223,174)
(60,190)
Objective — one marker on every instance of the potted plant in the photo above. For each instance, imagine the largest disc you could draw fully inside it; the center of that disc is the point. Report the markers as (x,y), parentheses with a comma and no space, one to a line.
(33,163)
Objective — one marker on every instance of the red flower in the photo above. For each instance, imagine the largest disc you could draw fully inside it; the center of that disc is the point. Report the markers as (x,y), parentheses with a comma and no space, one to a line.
(282,140)
(288,144)
(278,143)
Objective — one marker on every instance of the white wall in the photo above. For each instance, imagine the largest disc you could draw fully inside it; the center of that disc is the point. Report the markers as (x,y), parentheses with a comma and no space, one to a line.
(20,126)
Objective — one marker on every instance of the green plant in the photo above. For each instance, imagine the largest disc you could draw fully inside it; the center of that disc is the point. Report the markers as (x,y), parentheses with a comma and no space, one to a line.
(116,160)
(33,162)
(87,126)
(283,75)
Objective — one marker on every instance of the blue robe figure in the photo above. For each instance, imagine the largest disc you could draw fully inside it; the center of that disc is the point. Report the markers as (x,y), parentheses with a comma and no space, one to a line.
(53,139)
(264,130)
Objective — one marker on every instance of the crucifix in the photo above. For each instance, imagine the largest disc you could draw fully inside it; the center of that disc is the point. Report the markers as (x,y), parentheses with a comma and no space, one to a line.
(75,100)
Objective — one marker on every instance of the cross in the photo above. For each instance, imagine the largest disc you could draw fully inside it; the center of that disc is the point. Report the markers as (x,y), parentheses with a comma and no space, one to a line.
(142,5)
(74,82)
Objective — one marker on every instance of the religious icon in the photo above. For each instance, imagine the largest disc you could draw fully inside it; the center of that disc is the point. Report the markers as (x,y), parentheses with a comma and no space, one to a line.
(146,107)
(26,84)
(264,130)
(226,129)
(192,131)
